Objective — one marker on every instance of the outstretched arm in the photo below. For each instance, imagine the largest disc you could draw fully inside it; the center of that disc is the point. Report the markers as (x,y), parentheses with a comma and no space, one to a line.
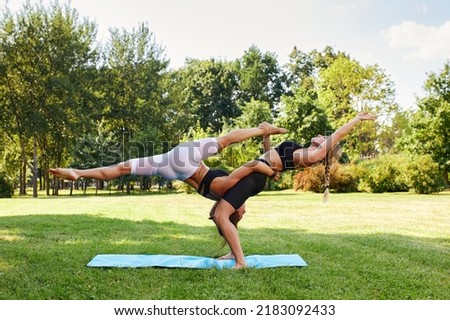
(329,143)
(222,219)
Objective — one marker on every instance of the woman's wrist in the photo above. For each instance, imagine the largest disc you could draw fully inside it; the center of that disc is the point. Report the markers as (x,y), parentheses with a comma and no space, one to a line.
(358,118)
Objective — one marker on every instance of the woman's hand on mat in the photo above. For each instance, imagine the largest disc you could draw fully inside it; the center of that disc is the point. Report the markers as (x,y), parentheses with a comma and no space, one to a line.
(240,266)
(229,256)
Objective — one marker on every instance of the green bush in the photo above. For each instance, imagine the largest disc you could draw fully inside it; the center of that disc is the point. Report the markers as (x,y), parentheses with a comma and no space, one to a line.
(286,181)
(423,175)
(392,173)
(182,186)
(386,173)
(6,187)
(383,174)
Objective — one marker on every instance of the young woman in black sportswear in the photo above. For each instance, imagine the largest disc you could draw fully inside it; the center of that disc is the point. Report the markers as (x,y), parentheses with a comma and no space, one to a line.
(289,155)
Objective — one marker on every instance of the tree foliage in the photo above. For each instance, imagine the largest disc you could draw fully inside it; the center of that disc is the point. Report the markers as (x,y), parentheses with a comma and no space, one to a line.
(209,91)
(430,124)
(302,116)
(260,78)
(66,101)
(47,56)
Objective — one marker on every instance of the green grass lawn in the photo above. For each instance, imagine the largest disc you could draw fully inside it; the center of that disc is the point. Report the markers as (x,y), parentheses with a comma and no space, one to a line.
(358,246)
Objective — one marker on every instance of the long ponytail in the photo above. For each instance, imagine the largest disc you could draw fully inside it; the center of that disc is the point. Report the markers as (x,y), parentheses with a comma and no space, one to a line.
(327,163)
(335,154)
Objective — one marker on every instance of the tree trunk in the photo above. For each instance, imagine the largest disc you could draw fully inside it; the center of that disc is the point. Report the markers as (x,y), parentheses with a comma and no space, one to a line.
(41,182)
(23,178)
(46,180)
(35,168)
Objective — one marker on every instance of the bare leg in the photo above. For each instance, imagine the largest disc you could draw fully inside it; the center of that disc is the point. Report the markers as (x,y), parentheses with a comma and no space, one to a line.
(100,173)
(305,159)
(239,135)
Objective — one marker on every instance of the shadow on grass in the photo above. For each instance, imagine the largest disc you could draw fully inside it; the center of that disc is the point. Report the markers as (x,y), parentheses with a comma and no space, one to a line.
(44,257)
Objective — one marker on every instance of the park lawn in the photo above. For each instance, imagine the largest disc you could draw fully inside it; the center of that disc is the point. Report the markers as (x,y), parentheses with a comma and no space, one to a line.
(357,246)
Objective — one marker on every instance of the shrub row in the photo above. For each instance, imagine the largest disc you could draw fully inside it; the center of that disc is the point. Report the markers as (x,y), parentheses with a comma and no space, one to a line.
(386,173)
(6,187)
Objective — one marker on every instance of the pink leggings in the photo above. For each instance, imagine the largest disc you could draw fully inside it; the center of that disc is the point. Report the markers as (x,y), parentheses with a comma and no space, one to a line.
(179,163)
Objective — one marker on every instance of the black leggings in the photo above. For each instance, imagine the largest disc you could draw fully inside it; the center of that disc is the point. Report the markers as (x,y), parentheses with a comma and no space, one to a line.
(248,187)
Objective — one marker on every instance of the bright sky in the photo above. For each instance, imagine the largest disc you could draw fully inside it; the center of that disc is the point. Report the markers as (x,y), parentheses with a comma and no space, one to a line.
(406,38)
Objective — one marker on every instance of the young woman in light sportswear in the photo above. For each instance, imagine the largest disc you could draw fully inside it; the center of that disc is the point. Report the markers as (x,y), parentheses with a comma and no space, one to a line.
(185,163)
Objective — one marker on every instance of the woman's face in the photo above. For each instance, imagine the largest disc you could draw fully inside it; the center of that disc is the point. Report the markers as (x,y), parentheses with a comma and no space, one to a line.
(317,140)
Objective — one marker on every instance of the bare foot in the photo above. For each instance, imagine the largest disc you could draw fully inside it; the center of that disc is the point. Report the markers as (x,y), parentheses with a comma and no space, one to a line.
(271,129)
(69,174)
(229,256)
(366,116)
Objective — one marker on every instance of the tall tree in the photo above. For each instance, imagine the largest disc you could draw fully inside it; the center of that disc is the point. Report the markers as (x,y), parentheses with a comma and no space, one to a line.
(43,51)
(300,67)
(132,76)
(431,122)
(132,92)
(209,91)
(339,86)
(302,116)
(345,88)
(303,68)
(260,78)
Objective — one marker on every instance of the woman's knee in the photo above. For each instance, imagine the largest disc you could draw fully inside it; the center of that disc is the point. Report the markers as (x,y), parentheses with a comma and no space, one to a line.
(124,167)
(224,141)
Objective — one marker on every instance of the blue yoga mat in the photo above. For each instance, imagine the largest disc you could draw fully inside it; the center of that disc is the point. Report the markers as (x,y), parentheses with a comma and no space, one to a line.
(193,262)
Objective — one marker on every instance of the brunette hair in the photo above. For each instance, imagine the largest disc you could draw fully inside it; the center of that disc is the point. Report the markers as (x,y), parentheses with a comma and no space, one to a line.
(333,154)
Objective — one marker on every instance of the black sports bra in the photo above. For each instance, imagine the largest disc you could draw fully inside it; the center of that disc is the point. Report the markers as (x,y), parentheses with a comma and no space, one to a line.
(205,184)
(286,152)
